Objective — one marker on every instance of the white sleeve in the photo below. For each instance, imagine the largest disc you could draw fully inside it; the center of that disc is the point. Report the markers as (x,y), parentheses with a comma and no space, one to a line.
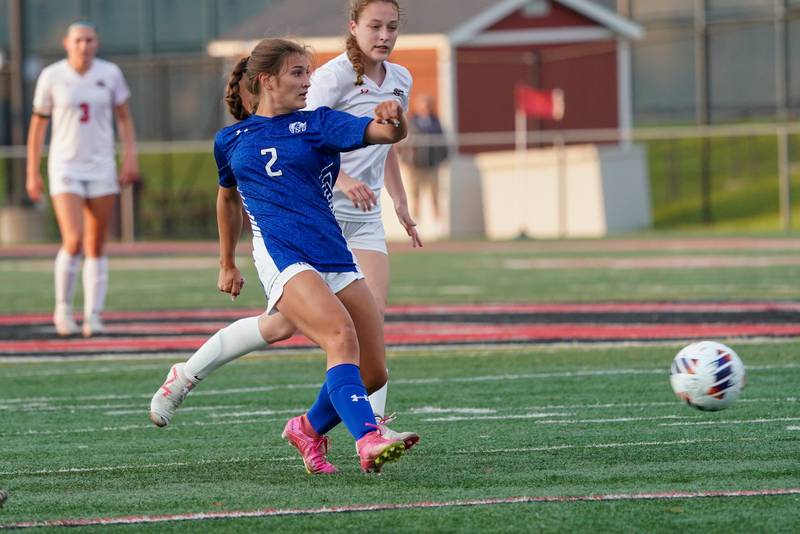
(120,90)
(43,96)
(325,90)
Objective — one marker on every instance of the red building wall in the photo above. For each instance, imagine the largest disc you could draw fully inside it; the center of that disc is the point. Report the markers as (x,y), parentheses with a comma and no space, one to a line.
(558,16)
(586,72)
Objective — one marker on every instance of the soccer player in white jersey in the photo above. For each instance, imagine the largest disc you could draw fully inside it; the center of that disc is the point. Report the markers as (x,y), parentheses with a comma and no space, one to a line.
(280,163)
(355,82)
(82,94)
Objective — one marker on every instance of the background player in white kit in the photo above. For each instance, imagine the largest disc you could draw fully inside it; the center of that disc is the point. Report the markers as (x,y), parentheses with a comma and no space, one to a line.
(82,94)
(354,82)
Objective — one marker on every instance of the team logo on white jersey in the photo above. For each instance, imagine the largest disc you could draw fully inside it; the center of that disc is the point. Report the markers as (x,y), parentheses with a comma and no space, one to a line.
(398,92)
(297,127)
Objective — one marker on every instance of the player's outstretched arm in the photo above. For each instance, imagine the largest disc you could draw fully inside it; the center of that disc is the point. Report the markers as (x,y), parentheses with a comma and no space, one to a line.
(34,185)
(394,185)
(229,224)
(389,126)
(129,172)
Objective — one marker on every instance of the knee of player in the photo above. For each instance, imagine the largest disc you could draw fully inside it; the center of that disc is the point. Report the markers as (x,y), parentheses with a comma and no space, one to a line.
(72,246)
(274,328)
(341,338)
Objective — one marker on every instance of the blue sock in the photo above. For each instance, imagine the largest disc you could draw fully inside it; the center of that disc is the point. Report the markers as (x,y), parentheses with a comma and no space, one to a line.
(322,415)
(349,396)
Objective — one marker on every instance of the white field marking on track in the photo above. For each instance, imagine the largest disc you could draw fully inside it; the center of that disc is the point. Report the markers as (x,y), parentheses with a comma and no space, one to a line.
(793,428)
(733,422)
(399,381)
(352,508)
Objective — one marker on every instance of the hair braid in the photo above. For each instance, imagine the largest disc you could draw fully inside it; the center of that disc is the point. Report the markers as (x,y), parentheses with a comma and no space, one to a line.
(233,96)
(356,57)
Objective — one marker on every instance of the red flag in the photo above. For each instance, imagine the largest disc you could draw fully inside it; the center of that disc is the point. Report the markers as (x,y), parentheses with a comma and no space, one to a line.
(540,103)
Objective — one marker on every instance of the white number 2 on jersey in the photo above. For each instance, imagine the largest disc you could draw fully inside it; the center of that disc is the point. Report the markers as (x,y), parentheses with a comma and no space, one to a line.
(273,158)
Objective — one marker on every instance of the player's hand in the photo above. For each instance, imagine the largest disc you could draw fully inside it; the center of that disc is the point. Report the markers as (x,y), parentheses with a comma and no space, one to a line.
(389,112)
(230,281)
(409,224)
(357,191)
(129,173)
(34,185)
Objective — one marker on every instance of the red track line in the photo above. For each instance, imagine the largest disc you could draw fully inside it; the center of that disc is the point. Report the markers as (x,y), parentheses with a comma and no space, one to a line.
(271,512)
(603,307)
(435,333)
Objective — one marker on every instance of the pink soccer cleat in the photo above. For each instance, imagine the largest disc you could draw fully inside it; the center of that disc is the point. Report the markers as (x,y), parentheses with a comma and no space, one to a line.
(409,439)
(313,447)
(374,450)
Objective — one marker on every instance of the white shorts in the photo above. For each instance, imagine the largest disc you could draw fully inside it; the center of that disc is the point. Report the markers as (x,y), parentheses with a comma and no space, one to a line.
(273,280)
(83,188)
(368,235)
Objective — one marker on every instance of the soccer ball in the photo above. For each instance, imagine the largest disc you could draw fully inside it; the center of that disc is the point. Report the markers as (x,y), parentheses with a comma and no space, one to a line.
(707,375)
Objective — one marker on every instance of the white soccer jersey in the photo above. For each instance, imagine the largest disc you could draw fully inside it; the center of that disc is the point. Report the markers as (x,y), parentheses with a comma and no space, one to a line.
(333,85)
(82,110)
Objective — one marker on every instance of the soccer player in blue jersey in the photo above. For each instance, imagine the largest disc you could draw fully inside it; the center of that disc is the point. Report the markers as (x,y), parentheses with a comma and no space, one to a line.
(280,163)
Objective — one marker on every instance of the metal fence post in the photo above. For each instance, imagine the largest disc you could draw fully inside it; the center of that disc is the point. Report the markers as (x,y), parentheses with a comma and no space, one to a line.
(784,179)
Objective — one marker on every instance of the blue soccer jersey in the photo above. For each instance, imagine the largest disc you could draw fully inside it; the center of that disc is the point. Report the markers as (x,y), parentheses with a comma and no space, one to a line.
(284,168)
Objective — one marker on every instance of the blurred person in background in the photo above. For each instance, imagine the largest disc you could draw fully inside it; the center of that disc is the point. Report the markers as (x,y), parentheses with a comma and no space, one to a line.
(83,95)
(424,156)
(280,163)
(354,82)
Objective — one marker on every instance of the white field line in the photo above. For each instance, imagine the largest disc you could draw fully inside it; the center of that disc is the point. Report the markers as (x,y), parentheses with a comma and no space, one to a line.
(272,512)
(433,419)
(551,421)
(732,422)
(398,381)
(496,417)
(61,371)
(793,428)
(600,446)
(121,428)
(143,409)
(477,452)
(140,467)
(133,409)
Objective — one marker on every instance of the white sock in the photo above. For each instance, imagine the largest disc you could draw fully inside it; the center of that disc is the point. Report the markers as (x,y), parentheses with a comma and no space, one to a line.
(95,285)
(233,341)
(66,274)
(378,400)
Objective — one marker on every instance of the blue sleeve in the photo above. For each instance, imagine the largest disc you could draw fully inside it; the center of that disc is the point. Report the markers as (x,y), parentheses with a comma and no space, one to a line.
(342,132)
(226,177)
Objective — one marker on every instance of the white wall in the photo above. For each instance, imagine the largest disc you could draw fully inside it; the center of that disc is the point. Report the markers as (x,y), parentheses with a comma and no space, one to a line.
(576,191)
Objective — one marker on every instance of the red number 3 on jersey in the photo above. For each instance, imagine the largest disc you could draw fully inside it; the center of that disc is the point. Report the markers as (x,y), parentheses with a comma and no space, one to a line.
(84,112)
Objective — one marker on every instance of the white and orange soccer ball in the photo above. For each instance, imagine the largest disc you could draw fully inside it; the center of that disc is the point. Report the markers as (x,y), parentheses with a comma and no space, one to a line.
(707,375)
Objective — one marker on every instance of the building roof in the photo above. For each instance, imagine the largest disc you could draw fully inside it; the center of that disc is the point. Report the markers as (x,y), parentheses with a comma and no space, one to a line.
(458,20)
